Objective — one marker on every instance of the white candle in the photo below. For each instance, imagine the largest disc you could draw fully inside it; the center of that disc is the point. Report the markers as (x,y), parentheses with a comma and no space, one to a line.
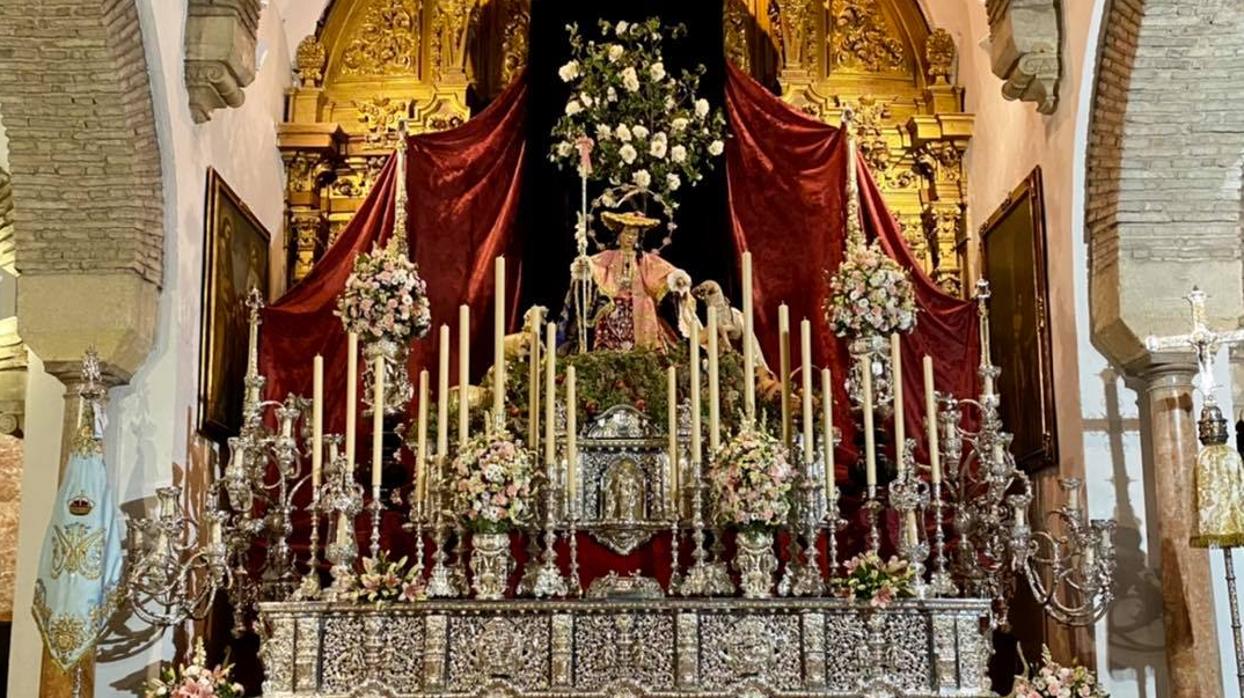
(215,535)
(697,447)
(912,530)
(809,418)
(421,453)
(572,438)
(870,448)
(784,370)
(900,426)
(498,345)
(377,424)
(352,397)
(749,358)
(442,395)
(671,400)
(464,374)
(317,421)
(533,387)
(827,415)
(714,394)
(930,417)
(550,392)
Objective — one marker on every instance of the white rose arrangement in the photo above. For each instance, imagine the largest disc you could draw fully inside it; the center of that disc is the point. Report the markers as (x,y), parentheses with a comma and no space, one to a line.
(650,133)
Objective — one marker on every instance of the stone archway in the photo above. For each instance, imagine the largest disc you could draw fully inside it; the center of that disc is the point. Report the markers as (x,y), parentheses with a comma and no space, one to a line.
(88,213)
(1163,214)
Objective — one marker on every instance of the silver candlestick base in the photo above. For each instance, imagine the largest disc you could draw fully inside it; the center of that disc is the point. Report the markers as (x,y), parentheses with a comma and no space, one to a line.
(440,581)
(807,579)
(549,580)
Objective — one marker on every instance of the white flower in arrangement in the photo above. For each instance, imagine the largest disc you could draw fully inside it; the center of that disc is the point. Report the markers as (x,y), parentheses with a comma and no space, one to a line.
(678,154)
(611,95)
(623,133)
(628,153)
(715,148)
(657,148)
(615,52)
(568,72)
(586,99)
(622,27)
(657,71)
(642,179)
(573,107)
(679,123)
(603,132)
(673,181)
(701,108)
(640,131)
(564,149)
(630,80)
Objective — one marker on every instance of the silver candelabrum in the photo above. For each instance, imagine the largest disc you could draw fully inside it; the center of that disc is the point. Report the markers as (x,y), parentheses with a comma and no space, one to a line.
(1071,574)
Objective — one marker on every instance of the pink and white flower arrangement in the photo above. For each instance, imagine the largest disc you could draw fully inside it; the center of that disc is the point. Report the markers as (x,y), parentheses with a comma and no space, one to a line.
(870,294)
(383,579)
(878,582)
(1053,680)
(194,679)
(751,483)
(493,485)
(385,299)
(650,131)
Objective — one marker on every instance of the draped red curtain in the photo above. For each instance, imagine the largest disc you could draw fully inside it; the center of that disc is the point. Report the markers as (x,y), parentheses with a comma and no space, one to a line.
(786,174)
(462,187)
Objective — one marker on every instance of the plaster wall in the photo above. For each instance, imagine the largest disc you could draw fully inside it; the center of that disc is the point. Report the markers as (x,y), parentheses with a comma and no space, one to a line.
(151,420)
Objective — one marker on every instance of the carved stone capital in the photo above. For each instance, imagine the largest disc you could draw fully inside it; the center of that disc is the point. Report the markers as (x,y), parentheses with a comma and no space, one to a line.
(220,53)
(1025,50)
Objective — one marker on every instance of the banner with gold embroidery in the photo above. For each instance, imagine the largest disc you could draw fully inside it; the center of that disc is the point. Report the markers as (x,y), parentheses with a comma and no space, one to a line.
(80,569)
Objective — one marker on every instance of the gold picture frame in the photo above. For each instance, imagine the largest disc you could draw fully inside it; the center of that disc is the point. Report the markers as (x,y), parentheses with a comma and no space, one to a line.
(236,251)
(1015,262)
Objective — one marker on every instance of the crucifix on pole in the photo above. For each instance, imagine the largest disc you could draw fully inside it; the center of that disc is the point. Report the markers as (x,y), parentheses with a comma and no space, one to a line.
(1220,521)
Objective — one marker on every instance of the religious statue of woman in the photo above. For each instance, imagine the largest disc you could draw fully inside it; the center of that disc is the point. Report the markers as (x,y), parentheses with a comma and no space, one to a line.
(631,282)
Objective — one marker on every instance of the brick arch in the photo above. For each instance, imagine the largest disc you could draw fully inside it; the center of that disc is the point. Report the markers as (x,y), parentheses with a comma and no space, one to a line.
(1163,183)
(88,210)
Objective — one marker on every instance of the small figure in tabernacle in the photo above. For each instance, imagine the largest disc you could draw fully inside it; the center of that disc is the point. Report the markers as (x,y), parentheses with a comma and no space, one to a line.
(631,282)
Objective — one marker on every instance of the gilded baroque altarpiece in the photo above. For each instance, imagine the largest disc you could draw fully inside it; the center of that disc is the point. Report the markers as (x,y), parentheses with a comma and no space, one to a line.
(374,63)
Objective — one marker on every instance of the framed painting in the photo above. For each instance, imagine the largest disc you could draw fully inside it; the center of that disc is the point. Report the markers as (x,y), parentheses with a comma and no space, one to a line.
(235,260)
(1014,261)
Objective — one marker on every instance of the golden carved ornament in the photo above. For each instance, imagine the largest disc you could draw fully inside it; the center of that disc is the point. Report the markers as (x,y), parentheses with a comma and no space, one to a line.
(380,118)
(449,34)
(516,42)
(386,42)
(870,118)
(862,38)
(737,18)
(794,26)
(310,60)
(940,51)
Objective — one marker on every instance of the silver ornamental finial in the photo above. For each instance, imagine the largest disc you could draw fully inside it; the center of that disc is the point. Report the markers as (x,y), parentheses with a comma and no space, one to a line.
(254,302)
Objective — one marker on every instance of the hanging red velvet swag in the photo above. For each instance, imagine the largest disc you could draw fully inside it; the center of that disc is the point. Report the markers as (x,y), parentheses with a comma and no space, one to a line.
(786,174)
(463,186)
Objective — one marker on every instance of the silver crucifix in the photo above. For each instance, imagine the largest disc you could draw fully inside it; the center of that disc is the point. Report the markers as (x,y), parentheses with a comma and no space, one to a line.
(1204,341)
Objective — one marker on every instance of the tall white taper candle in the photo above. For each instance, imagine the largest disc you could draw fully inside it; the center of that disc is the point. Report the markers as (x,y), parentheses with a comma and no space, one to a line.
(749,351)
(352,397)
(784,371)
(317,421)
(827,412)
(714,387)
(697,446)
(442,400)
(421,453)
(572,439)
(900,424)
(464,374)
(930,416)
(809,417)
(870,447)
(377,424)
(671,429)
(550,397)
(498,345)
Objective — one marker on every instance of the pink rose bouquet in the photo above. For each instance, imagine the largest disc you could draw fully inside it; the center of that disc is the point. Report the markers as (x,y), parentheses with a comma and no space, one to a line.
(383,579)
(750,484)
(385,299)
(493,486)
(878,582)
(870,294)
(1053,680)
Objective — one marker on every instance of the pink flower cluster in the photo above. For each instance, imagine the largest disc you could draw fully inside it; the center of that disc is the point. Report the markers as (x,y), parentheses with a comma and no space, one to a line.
(493,483)
(385,299)
(878,582)
(870,294)
(1053,680)
(752,480)
(387,580)
(195,679)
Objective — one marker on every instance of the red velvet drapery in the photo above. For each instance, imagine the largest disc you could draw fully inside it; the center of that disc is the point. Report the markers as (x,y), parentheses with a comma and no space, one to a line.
(786,174)
(463,187)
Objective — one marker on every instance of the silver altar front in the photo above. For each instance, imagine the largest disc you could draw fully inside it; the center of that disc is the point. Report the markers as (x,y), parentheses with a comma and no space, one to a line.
(627,648)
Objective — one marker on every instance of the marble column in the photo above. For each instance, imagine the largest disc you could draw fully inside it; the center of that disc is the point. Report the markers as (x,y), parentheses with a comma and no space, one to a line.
(1168,428)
